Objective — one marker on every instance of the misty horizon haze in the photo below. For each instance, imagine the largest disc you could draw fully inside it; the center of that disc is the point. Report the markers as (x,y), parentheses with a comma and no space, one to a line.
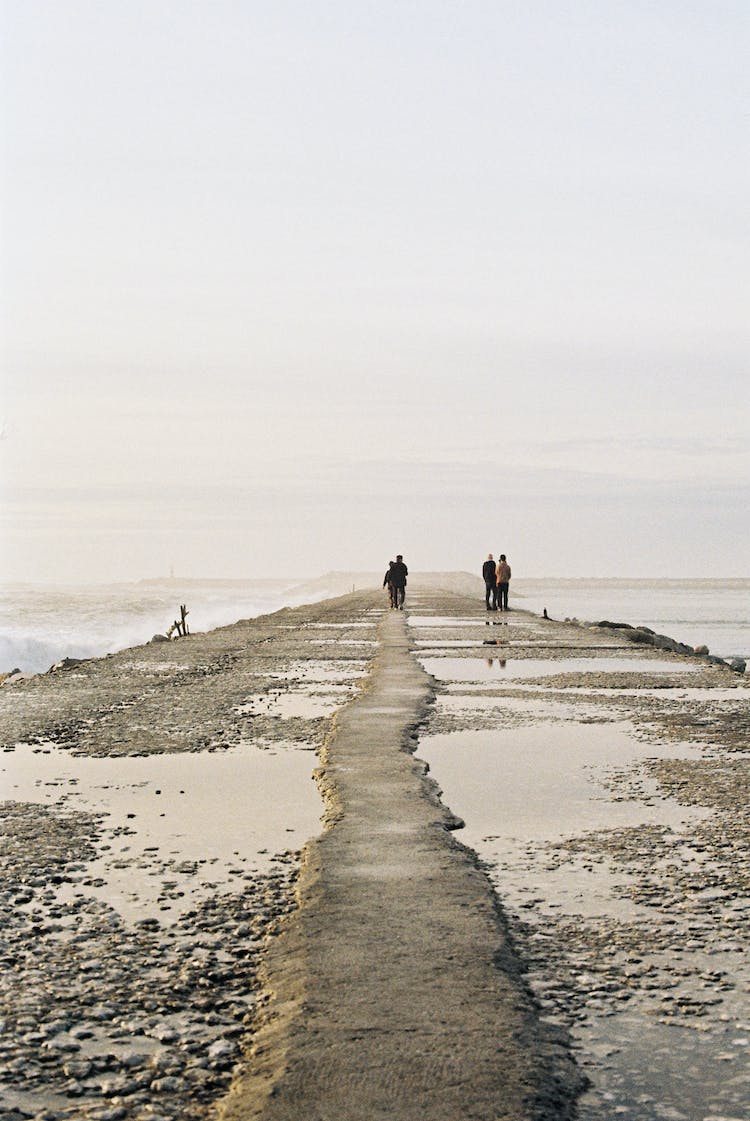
(290,289)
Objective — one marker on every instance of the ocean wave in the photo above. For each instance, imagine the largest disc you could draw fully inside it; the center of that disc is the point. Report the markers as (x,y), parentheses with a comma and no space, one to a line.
(40,627)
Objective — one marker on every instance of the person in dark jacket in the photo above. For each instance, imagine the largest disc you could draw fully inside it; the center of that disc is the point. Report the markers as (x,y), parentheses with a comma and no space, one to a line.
(489,575)
(399,572)
(388,583)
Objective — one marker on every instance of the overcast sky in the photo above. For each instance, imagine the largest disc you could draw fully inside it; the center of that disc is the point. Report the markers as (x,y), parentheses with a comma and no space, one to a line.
(290,287)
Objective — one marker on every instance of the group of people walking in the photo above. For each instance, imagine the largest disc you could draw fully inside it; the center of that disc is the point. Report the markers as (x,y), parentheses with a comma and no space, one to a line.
(395,581)
(496,583)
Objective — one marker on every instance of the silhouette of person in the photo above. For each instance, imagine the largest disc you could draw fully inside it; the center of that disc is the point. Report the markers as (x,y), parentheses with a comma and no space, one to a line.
(489,575)
(399,572)
(388,583)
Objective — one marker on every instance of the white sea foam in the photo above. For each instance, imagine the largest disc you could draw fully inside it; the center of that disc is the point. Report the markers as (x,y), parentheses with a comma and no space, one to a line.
(41,625)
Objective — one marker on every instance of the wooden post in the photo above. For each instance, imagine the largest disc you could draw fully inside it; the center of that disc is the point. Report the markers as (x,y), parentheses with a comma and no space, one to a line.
(181,627)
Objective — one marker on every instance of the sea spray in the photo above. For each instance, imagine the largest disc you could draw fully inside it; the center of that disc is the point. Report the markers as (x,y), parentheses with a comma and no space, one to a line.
(39,625)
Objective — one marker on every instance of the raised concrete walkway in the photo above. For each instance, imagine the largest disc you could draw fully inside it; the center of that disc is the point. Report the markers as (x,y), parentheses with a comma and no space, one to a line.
(393,991)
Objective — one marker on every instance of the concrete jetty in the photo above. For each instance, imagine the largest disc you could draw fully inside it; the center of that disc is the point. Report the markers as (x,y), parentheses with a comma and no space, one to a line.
(394,991)
(178,948)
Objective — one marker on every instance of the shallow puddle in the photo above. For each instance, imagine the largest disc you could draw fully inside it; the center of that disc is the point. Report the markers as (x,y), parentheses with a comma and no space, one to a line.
(532,706)
(443,621)
(338,672)
(340,626)
(490,619)
(668,1073)
(367,642)
(493,668)
(509,644)
(434,646)
(522,792)
(175,824)
(301,704)
(538,783)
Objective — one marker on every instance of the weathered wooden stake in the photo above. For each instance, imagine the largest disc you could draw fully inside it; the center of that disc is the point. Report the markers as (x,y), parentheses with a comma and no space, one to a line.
(181,627)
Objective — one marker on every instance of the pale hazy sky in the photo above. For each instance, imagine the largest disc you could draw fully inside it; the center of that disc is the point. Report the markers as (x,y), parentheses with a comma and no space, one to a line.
(290,287)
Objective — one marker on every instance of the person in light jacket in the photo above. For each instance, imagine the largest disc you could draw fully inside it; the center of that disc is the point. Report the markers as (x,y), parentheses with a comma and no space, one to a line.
(503,580)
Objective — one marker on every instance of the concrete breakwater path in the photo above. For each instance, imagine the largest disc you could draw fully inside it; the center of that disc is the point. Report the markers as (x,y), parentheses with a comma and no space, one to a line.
(179,940)
(395,993)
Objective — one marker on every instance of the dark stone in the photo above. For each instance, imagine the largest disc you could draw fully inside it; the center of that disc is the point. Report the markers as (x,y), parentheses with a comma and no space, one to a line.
(642,635)
(65,663)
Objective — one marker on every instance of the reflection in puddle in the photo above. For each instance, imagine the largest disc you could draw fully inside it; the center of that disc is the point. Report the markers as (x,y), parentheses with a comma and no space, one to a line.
(175,824)
(540,782)
(489,669)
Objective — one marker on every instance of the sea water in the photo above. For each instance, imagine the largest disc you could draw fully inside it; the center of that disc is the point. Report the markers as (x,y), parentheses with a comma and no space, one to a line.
(714,613)
(41,624)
